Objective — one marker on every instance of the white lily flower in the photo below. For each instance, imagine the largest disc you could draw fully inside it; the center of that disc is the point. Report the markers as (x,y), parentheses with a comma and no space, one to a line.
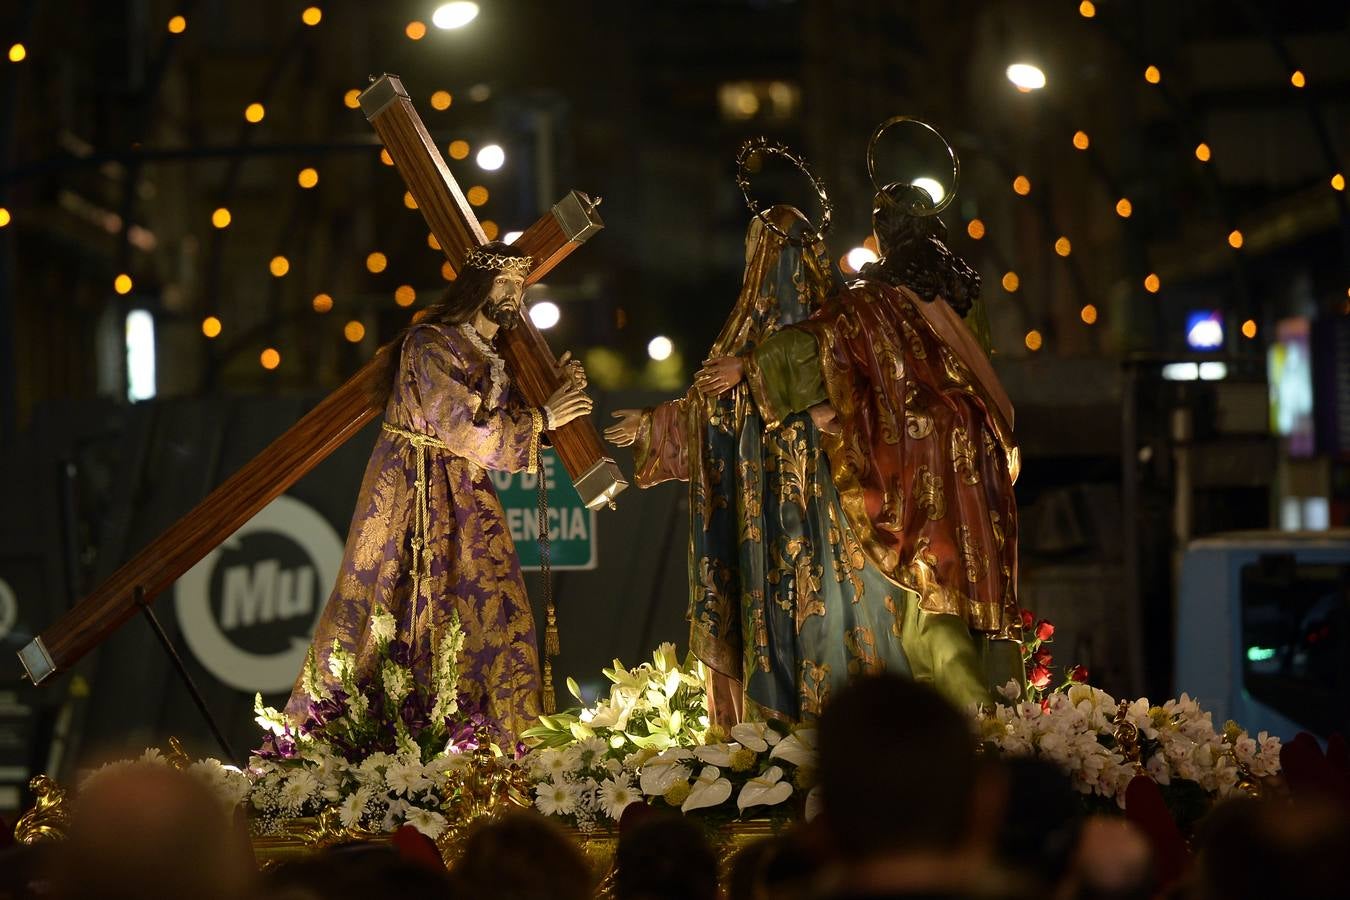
(768,789)
(798,748)
(711,789)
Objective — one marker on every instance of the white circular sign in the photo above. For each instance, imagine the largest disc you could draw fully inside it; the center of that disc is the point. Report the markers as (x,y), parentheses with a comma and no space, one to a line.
(260,591)
(9,609)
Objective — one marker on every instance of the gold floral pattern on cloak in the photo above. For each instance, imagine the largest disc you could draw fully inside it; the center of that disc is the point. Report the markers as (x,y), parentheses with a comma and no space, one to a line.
(752,503)
(996,526)
(918,422)
(973,557)
(916,346)
(861,645)
(390,492)
(964,463)
(928,493)
(795,464)
(897,615)
(953,368)
(892,515)
(715,579)
(920,576)
(707,493)
(848,558)
(760,631)
(798,576)
(888,422)
(815,687)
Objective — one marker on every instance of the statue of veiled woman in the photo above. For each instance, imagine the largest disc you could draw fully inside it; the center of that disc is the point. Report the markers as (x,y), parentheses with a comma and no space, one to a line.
(784,606)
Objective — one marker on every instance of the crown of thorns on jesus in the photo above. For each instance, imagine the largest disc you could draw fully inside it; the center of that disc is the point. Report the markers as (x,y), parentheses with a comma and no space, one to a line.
(481,259)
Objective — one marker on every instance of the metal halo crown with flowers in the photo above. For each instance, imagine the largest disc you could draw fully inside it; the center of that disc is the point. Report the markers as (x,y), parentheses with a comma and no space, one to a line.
(492,262)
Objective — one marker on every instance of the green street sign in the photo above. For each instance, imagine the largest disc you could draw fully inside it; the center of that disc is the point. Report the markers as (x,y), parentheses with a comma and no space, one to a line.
(571,526)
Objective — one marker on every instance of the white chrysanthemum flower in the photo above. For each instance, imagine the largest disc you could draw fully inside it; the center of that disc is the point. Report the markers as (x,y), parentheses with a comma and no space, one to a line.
(427,821)
(616,795)
(299,788)
(551,764)
(406,778)
(590,752)
(226,782)
(354,807)
(555,798)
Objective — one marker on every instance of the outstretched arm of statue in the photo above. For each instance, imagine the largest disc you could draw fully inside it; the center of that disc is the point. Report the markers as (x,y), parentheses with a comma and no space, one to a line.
(658,436)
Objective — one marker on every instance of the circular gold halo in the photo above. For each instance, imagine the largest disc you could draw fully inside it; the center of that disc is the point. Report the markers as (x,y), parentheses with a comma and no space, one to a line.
(914,209)
(771,148)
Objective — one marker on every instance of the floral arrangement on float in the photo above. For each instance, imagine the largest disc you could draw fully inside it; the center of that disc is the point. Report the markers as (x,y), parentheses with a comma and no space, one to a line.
(650,742)
(374,754)
(1102,743)
(382,751)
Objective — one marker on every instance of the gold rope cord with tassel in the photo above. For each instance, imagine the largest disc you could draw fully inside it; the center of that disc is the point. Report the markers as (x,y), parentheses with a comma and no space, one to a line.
(421,559)
(551,643)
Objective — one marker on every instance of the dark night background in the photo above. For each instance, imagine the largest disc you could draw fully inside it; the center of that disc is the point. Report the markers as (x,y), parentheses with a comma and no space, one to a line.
(1166,134)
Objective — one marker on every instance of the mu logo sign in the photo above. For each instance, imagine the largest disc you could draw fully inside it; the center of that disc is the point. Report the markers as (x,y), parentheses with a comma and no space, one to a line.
(248,609)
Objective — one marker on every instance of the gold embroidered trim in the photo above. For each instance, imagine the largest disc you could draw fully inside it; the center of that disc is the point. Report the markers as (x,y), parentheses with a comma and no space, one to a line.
(536,428)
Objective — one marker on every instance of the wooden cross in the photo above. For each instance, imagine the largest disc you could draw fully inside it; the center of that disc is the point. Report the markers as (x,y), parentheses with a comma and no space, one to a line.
(348,409)
(572,220)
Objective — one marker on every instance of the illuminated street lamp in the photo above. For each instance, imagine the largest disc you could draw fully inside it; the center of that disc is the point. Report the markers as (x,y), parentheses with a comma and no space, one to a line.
(1026,77)
(545,314)
(454,15)
(491,157)
(660,348)
(932,186)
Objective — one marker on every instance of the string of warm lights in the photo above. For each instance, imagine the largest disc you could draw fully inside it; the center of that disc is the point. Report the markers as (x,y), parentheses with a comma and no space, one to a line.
(1028,78)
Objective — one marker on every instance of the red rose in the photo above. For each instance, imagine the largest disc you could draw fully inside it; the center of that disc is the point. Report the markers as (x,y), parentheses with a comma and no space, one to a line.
(1044,630)
(1027,618)
(1039,678)
(1043,657)
(1079,674)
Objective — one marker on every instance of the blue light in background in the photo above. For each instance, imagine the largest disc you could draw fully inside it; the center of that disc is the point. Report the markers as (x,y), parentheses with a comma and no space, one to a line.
(1204,329)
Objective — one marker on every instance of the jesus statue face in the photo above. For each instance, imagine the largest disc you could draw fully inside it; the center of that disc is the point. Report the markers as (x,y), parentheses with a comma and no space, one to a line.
(503,300)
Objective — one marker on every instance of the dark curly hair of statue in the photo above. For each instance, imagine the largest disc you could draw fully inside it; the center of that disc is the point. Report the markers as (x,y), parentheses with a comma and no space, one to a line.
(460,302)
(914,251)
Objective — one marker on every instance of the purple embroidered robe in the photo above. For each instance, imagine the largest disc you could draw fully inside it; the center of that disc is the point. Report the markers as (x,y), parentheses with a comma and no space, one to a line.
(444,378)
